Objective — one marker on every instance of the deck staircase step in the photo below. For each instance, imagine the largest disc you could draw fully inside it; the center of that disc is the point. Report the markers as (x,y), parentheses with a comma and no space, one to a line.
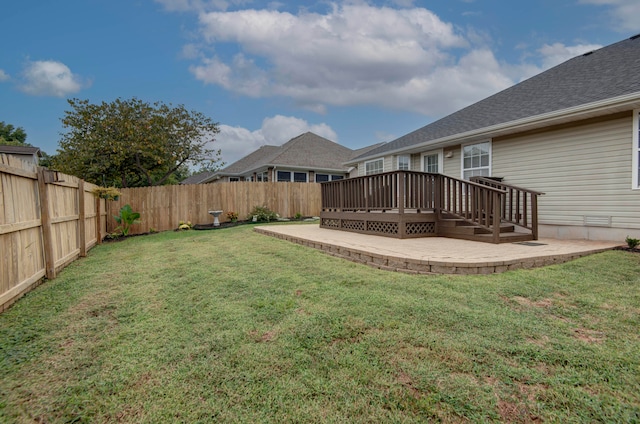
(512,237)
(460,228)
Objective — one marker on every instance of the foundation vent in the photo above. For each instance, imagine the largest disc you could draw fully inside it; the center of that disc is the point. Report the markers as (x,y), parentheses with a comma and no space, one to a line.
(597,221)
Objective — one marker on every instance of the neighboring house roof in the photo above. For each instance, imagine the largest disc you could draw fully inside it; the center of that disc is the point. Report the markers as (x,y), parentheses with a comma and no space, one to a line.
(20,150)
(588,85)
(197,178)
(306,151)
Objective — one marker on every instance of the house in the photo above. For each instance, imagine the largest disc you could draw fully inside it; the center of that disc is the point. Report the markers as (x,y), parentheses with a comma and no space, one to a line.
(570,132)
(305,158)
(25,153)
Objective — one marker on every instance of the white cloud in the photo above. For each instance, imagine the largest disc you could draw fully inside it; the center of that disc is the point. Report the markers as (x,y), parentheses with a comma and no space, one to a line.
(4,76)
(354,54)
(557,53)
(359,54)
(49,78)
(237,142)
(623,12)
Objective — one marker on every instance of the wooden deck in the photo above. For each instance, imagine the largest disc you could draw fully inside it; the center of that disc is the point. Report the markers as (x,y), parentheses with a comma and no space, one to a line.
(405,204)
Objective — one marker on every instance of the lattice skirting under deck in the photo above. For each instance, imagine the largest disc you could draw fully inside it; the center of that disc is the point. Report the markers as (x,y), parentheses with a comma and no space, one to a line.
(385,228)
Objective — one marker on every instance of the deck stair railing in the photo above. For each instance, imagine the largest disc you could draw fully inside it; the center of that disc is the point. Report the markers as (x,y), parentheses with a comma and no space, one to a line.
(518,206)
(482,202)
(476,203)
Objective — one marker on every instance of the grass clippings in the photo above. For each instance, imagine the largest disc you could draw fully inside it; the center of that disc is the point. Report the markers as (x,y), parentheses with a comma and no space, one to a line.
(233,326)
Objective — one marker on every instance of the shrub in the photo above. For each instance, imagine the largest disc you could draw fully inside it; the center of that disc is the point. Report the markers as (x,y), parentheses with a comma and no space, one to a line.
(263,214)
(632,242)
(109,193)
(232,216)
(185,225)
(126,219)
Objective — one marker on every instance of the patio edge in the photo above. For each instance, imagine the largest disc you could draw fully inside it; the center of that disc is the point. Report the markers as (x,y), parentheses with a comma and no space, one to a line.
(427,267)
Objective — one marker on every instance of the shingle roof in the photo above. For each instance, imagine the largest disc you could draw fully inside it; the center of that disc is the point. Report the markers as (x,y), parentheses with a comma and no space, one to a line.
(312,151)
(252,160)
(606,73)
(197,178)
(19,150)
(307,150)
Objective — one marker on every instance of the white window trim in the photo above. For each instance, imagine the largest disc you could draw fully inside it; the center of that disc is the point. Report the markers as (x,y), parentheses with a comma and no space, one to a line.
(373,160)
(471,144)
(635,148)
(398,162)
(440,153)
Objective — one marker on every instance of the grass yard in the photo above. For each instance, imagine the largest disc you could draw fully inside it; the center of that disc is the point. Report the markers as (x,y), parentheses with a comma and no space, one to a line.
(233,326)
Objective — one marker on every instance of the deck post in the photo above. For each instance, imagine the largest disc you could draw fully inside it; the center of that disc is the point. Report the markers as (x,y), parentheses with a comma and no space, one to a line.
(497,218)
(534,216)
(437,200)
(401,180)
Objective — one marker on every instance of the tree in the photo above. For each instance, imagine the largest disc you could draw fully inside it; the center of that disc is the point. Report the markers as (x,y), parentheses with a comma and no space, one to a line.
(12,136)
(130,143)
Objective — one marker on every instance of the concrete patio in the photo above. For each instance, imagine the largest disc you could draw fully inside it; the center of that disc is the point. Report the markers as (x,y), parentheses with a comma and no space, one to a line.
(436,255)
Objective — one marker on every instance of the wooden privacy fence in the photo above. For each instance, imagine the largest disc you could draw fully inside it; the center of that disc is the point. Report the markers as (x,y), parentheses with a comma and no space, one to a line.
(163,207)
(47,220)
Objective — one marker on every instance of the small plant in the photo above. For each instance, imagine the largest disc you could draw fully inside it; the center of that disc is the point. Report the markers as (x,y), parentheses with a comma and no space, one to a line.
(126,219)
(185,225)
(263,214)
(232,216)
(152,230)
(298,216)
(632,242)
(109,193)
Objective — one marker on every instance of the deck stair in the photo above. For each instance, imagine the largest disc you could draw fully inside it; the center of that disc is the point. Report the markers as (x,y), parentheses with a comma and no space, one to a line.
(462,229)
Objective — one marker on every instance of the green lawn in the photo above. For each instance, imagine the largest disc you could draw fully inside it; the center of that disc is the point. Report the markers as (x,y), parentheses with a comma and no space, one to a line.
(233,326)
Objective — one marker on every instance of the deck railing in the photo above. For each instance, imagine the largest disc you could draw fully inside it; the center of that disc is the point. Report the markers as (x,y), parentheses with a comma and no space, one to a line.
(483,202)
(518,206)
(398,190)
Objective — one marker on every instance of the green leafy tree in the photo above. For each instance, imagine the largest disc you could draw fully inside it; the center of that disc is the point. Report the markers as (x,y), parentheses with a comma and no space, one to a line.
(12,136)
(131,143)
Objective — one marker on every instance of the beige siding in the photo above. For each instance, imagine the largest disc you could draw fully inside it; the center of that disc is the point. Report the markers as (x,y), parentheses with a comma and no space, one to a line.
(452,166)
(585,171)
(415,162)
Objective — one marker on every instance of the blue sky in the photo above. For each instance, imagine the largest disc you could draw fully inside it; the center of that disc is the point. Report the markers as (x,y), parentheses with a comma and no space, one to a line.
(356,72)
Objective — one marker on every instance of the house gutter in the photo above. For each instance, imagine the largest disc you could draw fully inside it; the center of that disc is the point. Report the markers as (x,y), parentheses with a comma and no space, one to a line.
(626,102)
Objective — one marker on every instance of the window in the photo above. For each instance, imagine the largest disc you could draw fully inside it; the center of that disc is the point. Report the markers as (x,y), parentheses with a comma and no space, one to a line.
(284,176)
(636,150)
(288,176)
(374,166)
(476,160)
(432,162)
(403,162)
(321,178)
(234,179)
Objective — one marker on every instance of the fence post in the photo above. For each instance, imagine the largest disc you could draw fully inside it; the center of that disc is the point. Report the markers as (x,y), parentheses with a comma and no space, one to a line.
(45,218)
(82,216)
(98,222)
